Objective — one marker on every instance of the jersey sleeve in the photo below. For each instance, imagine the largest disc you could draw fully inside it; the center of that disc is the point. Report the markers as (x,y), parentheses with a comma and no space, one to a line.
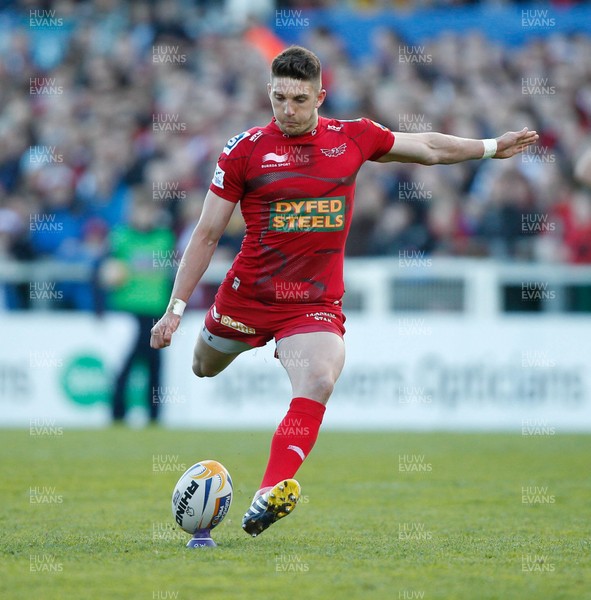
(228,177)
(375,140)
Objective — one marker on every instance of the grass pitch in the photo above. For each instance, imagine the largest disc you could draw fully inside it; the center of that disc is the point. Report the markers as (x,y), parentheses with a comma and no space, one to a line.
(86,514)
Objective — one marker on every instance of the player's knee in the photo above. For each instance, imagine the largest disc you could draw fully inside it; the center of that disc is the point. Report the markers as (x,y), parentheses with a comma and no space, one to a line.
(201,369)
(197,368)
(322,387)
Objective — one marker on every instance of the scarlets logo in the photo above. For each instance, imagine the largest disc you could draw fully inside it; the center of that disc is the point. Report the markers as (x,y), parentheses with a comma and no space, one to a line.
(332,152)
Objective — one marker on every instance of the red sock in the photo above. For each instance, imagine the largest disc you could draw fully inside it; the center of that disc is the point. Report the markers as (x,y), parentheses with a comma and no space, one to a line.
(294,439)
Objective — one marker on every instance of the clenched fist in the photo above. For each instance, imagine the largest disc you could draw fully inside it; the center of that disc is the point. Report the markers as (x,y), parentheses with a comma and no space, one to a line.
(162,332)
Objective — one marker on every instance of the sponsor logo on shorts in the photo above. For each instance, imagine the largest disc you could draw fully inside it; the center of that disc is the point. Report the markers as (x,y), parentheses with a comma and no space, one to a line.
(308,214)
(237,325)
(322,316)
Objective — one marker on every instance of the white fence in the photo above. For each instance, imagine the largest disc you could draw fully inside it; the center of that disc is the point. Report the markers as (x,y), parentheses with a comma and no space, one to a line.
(412,282)
(471,286)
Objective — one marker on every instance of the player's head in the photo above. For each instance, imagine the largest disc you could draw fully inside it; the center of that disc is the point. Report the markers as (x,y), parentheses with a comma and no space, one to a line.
(296,90)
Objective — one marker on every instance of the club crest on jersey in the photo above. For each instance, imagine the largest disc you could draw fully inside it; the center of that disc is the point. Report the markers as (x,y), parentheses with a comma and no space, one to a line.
(333,152)
(234,141)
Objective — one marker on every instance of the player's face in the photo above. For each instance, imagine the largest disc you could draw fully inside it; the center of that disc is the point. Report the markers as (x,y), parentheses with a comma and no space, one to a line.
(295,104)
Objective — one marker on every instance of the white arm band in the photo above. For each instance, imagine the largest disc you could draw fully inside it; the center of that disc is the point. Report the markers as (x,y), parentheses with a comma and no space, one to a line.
(490,148)
(176,307)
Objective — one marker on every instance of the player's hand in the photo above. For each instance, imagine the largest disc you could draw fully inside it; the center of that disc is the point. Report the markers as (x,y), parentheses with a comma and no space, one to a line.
(162,332)
(514,142)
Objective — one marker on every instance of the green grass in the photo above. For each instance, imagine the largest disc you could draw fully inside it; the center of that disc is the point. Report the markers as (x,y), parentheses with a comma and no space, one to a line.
(107,529)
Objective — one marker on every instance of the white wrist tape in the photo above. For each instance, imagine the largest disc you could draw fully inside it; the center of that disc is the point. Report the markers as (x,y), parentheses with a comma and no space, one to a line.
(176,307)
(490,148)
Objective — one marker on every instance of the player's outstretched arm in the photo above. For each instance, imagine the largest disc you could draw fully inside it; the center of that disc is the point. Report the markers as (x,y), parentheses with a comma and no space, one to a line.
(441,149)
(196,258)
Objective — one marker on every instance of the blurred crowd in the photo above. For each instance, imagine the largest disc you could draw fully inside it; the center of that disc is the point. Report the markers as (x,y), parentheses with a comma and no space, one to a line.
(109,105)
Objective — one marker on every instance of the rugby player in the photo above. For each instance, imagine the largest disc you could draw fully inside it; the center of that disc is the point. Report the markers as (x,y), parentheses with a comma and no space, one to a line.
(295,181)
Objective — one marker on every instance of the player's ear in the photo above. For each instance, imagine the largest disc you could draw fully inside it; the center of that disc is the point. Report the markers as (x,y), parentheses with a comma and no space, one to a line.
(321,97)
(269,88)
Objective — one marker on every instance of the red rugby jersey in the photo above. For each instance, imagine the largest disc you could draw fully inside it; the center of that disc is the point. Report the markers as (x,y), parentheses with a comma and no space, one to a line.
(296,195)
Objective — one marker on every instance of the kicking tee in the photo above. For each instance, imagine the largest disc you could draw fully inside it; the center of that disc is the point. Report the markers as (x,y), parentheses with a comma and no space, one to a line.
(296,194)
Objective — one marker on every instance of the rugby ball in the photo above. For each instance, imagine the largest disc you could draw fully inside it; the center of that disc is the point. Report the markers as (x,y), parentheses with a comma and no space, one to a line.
(202,497)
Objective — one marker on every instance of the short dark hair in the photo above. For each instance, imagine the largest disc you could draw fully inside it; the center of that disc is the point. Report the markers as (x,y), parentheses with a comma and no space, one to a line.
(296,62)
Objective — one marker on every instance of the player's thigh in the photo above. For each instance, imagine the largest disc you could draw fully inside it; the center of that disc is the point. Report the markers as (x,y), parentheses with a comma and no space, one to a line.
(313,362)
(207,361)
